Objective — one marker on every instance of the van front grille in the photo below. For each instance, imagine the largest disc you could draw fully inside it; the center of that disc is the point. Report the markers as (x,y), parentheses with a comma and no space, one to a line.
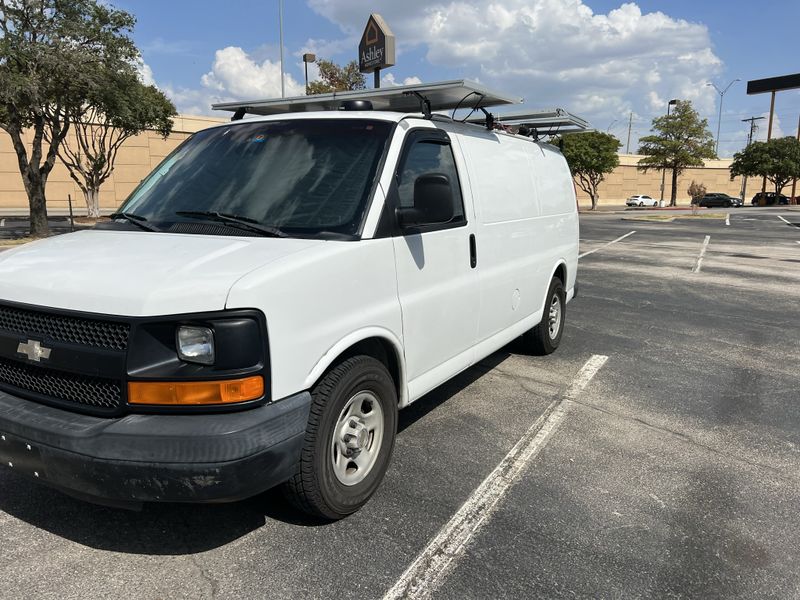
(96,392)
(73,330)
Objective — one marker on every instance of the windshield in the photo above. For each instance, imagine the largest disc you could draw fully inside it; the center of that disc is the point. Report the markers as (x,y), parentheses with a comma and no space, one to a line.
(303,176)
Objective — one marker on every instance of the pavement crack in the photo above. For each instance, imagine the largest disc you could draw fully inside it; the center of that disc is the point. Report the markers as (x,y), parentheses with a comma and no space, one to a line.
(689,440)
(205,575)
(191,556)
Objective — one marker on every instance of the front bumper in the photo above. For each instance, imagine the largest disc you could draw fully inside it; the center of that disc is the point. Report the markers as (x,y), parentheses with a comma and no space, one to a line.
(154,458)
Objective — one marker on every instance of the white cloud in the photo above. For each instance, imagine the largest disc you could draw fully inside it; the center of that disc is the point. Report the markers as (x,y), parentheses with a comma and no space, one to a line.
(554,52)
(145,72)
(236,73)
(390,80)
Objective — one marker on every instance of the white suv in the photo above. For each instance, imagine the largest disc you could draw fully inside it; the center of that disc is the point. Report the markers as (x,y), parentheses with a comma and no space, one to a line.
(268,298)
(641,200)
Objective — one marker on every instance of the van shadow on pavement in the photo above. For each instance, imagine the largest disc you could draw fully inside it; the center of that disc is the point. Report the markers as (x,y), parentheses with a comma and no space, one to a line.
(181,529)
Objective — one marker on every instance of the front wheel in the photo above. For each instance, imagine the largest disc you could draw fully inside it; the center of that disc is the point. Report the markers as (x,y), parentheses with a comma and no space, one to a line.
(641,203)
(546,336)
(349,439)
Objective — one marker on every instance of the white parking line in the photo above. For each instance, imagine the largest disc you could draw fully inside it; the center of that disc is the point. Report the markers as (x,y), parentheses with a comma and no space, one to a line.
(696,268)
(443,552)
(782,219)
(619,239)
(728,219)
(2,222)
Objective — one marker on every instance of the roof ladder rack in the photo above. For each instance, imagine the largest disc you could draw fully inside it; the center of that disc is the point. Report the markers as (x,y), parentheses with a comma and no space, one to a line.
(424,103)
(429,97)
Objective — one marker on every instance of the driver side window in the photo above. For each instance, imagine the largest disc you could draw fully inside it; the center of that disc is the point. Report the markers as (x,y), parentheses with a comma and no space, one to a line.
(424,158)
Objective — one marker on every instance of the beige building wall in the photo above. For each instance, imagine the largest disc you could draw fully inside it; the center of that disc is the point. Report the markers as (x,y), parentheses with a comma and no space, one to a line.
(626,180)
(137,157)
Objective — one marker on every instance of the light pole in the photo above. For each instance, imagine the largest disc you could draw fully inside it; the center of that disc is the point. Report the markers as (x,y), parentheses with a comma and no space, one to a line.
(308,58)
(672,102)
(719,118)
(608,129)
(280,18)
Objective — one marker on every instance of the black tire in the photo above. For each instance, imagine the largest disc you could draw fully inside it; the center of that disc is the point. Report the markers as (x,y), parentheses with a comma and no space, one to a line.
(641,203)
(727,204)
(314,488)
(538,340)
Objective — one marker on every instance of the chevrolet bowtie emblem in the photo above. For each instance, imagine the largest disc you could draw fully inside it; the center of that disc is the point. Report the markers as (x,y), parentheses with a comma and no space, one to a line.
(34,350)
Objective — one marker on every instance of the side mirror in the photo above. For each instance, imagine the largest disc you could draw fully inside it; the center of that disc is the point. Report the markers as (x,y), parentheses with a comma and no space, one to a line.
(433,202)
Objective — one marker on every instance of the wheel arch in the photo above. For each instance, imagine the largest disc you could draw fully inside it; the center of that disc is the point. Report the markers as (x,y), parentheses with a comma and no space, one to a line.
(377,342)
(560,271)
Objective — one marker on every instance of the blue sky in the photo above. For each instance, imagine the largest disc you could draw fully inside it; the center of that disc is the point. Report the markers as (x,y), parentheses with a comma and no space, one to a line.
(599,58)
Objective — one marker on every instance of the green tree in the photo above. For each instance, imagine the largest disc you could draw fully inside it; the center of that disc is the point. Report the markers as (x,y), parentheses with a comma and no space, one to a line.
(335,78)
(591,156)
(778,160)
(679,141)
(53,53)
(113,113)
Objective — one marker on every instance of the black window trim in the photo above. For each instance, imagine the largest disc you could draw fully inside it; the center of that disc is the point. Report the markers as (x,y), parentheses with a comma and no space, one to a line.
(387,224)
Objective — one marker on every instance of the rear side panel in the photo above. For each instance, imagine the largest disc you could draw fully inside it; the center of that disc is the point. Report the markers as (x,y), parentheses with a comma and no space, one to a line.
(526,226)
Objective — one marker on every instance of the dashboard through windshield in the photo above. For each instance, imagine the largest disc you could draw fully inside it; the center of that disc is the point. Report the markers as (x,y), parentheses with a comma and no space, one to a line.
(292,177)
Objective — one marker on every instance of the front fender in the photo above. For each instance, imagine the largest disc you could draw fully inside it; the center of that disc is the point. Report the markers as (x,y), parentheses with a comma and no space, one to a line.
(334,352)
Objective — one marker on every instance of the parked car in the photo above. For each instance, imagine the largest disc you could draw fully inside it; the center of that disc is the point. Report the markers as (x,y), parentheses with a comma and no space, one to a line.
(714,199)
(641,200)
(770,199)
(266,300)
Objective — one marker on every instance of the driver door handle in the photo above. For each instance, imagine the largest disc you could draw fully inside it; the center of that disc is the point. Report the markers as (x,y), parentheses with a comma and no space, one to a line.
(473,251)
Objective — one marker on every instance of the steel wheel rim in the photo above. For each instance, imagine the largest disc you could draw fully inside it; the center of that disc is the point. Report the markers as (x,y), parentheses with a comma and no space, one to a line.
(554,317)
(357,438)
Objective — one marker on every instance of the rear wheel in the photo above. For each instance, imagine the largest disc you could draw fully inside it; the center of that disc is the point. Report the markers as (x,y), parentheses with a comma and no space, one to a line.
(349,439)
(546,336)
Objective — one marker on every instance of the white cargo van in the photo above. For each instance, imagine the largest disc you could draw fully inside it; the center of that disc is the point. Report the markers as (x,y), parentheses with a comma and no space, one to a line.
(268,298)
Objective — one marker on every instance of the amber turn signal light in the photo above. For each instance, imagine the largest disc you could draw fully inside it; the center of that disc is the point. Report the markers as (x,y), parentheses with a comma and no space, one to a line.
(187,393)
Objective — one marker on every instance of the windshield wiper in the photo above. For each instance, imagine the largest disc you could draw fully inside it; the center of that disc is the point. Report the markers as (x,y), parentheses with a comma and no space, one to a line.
(234,221)
(137,220)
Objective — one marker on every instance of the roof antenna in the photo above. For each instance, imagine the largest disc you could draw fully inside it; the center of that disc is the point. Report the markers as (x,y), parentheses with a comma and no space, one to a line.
(424,103)
(239,114)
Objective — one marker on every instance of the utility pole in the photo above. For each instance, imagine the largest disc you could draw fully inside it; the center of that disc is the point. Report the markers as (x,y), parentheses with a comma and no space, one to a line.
(630,124)
(280,18)
(794,181)
(753,129)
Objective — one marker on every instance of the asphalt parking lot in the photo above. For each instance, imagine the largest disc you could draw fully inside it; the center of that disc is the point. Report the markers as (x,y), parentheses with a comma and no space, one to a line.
(13,228)
(668,469)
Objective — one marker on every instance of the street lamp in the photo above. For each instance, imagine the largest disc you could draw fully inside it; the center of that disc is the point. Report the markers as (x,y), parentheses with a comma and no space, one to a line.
(672,102)
(308,58)
(719,118)
(608,129)
(280,24)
